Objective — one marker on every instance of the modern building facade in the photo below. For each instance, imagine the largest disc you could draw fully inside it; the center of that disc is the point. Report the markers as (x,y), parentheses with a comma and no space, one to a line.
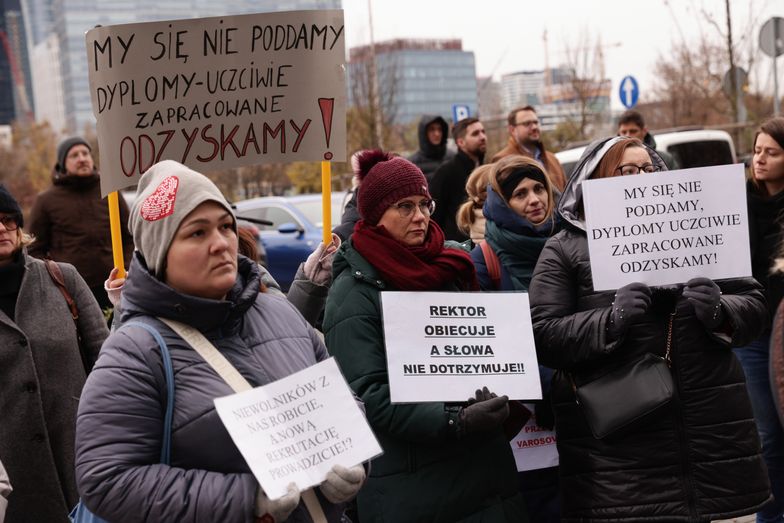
(70,19)
(15,80)
(415,77)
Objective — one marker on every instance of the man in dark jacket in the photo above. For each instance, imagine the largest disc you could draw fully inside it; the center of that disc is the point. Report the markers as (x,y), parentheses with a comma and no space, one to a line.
(631,124)
(70,220)
(448,184)
(432,151)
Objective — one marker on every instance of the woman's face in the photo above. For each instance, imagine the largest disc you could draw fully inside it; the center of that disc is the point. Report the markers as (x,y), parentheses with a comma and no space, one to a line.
(768,160)
(634,160)
(407,220)
(529,200)
(202,258)
(9,239)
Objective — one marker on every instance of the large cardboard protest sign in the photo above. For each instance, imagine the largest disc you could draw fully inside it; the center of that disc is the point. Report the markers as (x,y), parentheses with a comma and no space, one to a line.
(297,428)
(218,92)
(442,346)
(666,228)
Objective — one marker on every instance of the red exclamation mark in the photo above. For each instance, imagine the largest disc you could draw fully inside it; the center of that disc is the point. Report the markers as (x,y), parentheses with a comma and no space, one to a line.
(326,105)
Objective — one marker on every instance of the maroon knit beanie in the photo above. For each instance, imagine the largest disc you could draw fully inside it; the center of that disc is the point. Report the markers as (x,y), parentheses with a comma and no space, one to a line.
(385,179)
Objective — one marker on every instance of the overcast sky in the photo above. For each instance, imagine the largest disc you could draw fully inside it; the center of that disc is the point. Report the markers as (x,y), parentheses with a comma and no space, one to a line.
(506,35)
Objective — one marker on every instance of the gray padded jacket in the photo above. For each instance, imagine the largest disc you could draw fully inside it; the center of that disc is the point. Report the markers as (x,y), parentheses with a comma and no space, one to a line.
(120,419)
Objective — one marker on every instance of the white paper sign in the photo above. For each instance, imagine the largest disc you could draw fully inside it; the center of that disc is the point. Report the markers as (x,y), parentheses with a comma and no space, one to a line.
(534,447)
(219,92)
(297,428)
(442,346)
(666,228)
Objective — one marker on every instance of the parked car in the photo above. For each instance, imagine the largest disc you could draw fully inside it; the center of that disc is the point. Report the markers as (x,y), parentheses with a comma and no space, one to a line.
(696,148)
(295,230)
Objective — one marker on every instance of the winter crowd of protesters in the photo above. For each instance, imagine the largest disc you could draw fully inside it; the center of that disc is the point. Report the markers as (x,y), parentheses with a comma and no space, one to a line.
(124,421)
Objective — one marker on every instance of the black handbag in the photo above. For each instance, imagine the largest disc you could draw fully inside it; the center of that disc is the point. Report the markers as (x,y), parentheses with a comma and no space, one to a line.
(628,393)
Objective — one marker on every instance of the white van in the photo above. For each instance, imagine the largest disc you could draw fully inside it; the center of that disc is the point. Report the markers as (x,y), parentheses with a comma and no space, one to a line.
(698,148)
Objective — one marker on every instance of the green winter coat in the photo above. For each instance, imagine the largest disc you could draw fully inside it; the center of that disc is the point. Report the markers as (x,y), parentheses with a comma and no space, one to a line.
(426,473)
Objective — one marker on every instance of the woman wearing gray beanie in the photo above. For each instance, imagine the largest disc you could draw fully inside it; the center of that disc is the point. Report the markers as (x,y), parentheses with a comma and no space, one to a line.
(186,268)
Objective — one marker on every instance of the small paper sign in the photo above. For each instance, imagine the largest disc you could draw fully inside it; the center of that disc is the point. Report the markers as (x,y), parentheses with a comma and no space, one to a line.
(534,447)
(666,228)
(442,346)
(297,428)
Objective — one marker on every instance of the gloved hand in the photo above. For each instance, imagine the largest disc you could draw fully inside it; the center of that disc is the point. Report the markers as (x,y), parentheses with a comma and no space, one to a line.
(113,287)
(342,484)
(705,296)
(278,509)
(630,304)
(485,412)
(318,266)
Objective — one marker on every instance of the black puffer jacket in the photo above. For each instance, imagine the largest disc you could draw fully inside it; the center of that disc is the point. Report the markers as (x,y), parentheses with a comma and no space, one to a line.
(697,459)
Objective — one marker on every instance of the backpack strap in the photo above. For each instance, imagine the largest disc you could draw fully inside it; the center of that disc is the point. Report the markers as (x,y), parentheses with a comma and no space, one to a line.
(493,264)
(168,372)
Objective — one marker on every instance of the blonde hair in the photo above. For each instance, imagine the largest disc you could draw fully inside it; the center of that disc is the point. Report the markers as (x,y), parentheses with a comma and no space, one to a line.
(507,165)
(476,188)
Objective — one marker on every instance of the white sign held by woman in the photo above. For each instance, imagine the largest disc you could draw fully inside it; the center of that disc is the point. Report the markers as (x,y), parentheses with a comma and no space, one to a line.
(666,228)
(297,428)
(442,346)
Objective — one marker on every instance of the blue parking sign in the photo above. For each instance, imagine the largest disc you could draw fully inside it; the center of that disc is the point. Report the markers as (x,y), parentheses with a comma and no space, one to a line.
(460,112)
(629,92)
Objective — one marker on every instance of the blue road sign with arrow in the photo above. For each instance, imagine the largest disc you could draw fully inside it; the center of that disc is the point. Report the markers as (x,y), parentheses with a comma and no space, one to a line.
(629,92)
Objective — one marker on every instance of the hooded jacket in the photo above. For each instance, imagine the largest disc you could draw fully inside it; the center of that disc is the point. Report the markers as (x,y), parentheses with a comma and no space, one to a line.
(448,190)
(698,457)
(426,474)
(666,157)
(120,420)
(70,223)
(430,156)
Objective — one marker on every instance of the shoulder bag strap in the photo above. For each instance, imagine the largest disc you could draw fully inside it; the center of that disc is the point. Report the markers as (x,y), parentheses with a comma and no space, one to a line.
(230,375)
(56,274)
(493,264)
(168,372)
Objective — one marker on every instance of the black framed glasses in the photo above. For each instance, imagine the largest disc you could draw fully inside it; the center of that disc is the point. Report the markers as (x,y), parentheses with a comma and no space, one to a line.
(10,222)
(406,209)
(631,168)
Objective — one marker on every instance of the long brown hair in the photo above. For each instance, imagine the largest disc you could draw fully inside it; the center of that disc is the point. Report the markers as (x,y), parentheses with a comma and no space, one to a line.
(612,159)
(507,165)
(773,127)
(476,188)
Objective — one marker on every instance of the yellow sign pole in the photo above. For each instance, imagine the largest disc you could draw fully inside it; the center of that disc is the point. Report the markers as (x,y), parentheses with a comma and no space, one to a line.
(326,200)
(114,223)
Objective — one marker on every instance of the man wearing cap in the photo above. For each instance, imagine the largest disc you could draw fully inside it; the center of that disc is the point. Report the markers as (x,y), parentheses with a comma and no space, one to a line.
(70,220)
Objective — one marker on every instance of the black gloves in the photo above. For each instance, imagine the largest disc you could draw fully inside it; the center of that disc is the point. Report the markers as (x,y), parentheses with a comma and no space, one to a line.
(705,296)
(485,412)
(630,304)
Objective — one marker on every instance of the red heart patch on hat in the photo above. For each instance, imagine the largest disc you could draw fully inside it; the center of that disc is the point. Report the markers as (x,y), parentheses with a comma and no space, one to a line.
(160,203)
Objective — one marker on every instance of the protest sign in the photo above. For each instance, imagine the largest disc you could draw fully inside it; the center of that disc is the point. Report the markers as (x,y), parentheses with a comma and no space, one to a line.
(534,447)
(297,428)
(666,228)
(219,92)
(442,346)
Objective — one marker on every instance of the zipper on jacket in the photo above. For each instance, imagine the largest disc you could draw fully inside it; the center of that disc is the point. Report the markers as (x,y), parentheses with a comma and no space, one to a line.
(683,451)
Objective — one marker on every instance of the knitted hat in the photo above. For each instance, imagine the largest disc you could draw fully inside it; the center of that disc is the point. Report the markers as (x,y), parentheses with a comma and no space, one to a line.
(9,205)
(385,179)
(166,194)
(65,146)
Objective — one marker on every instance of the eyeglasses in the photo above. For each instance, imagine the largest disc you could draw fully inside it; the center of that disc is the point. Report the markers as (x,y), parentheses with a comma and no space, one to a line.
(631,168)
(10,222)
(527,123)
(426,207)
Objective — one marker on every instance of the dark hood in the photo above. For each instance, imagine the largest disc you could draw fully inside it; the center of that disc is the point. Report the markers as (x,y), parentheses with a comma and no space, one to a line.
(572,195)
(144,294)
(428,149)
(649,141)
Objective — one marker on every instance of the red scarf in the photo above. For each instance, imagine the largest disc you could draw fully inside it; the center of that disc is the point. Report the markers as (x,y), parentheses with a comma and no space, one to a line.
(427,267)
